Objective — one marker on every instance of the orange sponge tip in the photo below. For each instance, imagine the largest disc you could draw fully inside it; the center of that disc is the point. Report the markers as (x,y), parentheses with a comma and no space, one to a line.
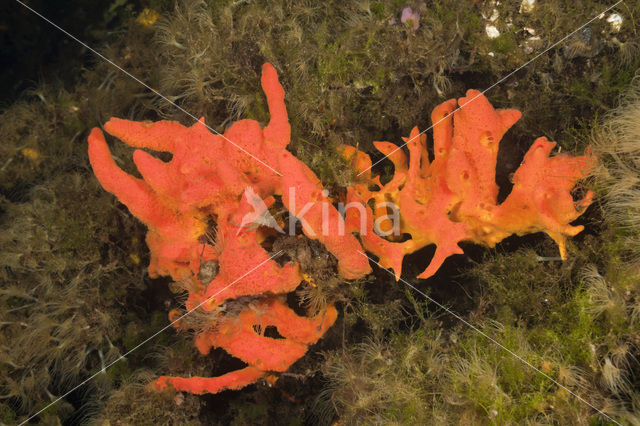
(201,385)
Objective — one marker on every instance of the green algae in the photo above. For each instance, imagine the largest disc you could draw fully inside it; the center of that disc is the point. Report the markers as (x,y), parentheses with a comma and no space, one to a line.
(350,76)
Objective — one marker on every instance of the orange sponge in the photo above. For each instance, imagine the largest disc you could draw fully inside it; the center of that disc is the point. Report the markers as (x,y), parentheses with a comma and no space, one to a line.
(454,197)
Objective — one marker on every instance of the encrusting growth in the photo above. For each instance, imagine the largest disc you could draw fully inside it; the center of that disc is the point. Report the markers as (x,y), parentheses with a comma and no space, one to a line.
(454,197)
(210,177)
(219,178)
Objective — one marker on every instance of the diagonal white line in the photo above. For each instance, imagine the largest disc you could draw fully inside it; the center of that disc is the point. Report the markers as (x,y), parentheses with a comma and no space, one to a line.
(150,338)
(278,173)
(150,88)
(458,317)
(496,83)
